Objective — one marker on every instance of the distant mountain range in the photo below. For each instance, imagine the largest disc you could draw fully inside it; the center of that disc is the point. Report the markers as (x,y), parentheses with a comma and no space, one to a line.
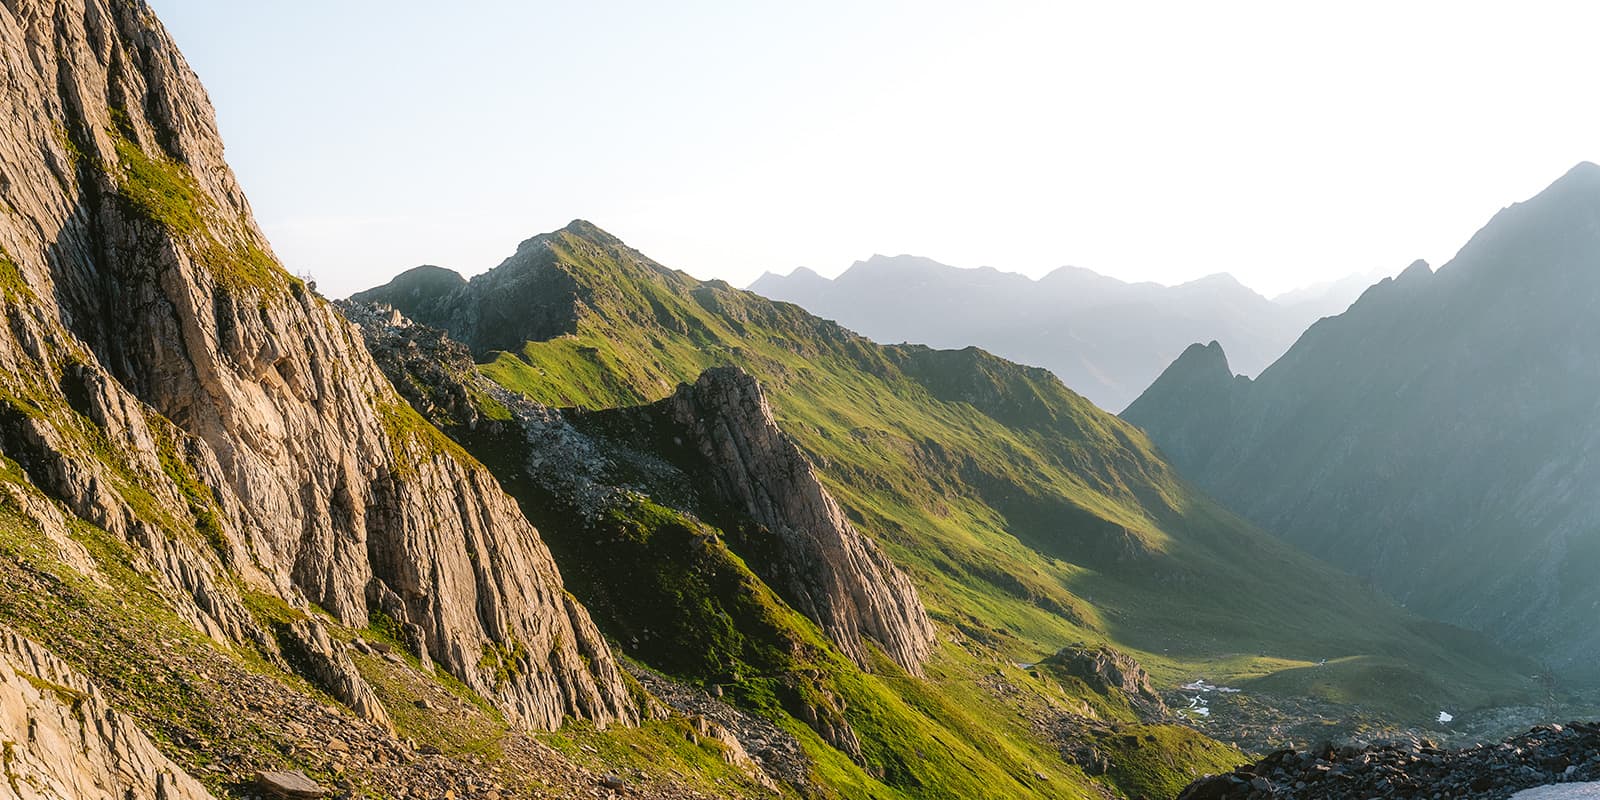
(1439,437)
(1105,338)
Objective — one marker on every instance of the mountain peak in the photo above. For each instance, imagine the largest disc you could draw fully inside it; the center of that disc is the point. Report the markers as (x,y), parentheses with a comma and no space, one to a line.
(903,264)
(1191,401)
(1418,269)
(1554,235)
(1581,184)
(1208,355)
(586,229)
(1198,365)
(800,279)
(1217,279)
(1584,171)
(581,229)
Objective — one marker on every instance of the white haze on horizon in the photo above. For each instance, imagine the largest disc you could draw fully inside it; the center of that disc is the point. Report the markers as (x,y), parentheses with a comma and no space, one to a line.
(1285,144)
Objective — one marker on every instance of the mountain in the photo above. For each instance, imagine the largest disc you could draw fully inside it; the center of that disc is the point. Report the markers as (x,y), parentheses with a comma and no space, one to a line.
(1437,437)
(1329,298)
(232,557)
(676,541)
(1026,518)
(1106,338)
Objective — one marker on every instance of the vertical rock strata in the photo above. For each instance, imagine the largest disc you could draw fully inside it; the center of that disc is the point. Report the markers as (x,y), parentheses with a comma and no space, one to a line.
(62,741)
(835,575)
(163,376)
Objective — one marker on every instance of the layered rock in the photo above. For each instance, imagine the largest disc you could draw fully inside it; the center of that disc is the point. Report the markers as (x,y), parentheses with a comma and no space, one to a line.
(1111,673)
(64,742)
(1544,756)
(826,569)
(138,291)
(831,573)
(313,652)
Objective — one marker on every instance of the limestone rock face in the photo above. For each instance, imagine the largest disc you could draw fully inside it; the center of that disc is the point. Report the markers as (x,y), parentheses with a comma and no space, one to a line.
(162,373)
(63,742)
(836,576)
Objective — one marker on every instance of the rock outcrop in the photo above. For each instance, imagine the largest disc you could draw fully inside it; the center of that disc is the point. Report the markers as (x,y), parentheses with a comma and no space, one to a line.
(1548,754)
(1110,673)
(828,570)
(313,652)
(832,573)
(162,374)
(64,742)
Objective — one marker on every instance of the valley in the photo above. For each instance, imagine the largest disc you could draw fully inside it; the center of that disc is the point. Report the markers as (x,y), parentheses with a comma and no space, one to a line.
(584,525)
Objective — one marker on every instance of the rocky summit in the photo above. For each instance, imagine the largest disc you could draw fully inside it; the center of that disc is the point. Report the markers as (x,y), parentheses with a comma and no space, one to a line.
(835,575)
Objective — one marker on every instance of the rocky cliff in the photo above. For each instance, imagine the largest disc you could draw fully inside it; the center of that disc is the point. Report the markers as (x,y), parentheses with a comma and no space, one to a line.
(823,566)
(166,380)
(830,572)
(64,742)
(1110,673)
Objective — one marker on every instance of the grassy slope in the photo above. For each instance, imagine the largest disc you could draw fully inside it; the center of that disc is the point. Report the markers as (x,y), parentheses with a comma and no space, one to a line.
(116,627)
(1028,517)
(120,629)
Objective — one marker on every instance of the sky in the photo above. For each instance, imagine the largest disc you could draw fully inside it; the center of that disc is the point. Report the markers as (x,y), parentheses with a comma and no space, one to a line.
(1285,143)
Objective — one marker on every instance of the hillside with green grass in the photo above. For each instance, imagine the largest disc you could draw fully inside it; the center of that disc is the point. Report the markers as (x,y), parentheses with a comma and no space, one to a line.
(1028,518)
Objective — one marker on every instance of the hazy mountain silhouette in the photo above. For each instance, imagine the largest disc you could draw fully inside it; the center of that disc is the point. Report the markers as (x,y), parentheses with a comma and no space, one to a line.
(1439,436)
(1103,337)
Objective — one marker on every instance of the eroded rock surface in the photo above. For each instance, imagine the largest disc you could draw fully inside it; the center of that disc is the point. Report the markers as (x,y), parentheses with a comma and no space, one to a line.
(834,575)
(161,373)
(1111,673)
(64,742)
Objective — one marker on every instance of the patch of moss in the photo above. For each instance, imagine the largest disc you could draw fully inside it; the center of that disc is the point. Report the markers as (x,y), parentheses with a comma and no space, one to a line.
(164,190)
(66,695)
(269,610)
(413,439)
(1160,760)
(698,761)
(8,755)
(503,662)
(489,407)
(200,498)
(457,720)
(386,628)
(12,286)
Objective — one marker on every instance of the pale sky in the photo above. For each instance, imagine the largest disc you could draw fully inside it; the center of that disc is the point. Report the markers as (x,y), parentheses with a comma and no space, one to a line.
(1286,143)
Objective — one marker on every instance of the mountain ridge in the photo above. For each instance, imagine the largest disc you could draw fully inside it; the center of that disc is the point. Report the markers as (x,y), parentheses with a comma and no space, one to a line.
(1370,441)
(1106,337)
(886,473)
(667,539)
